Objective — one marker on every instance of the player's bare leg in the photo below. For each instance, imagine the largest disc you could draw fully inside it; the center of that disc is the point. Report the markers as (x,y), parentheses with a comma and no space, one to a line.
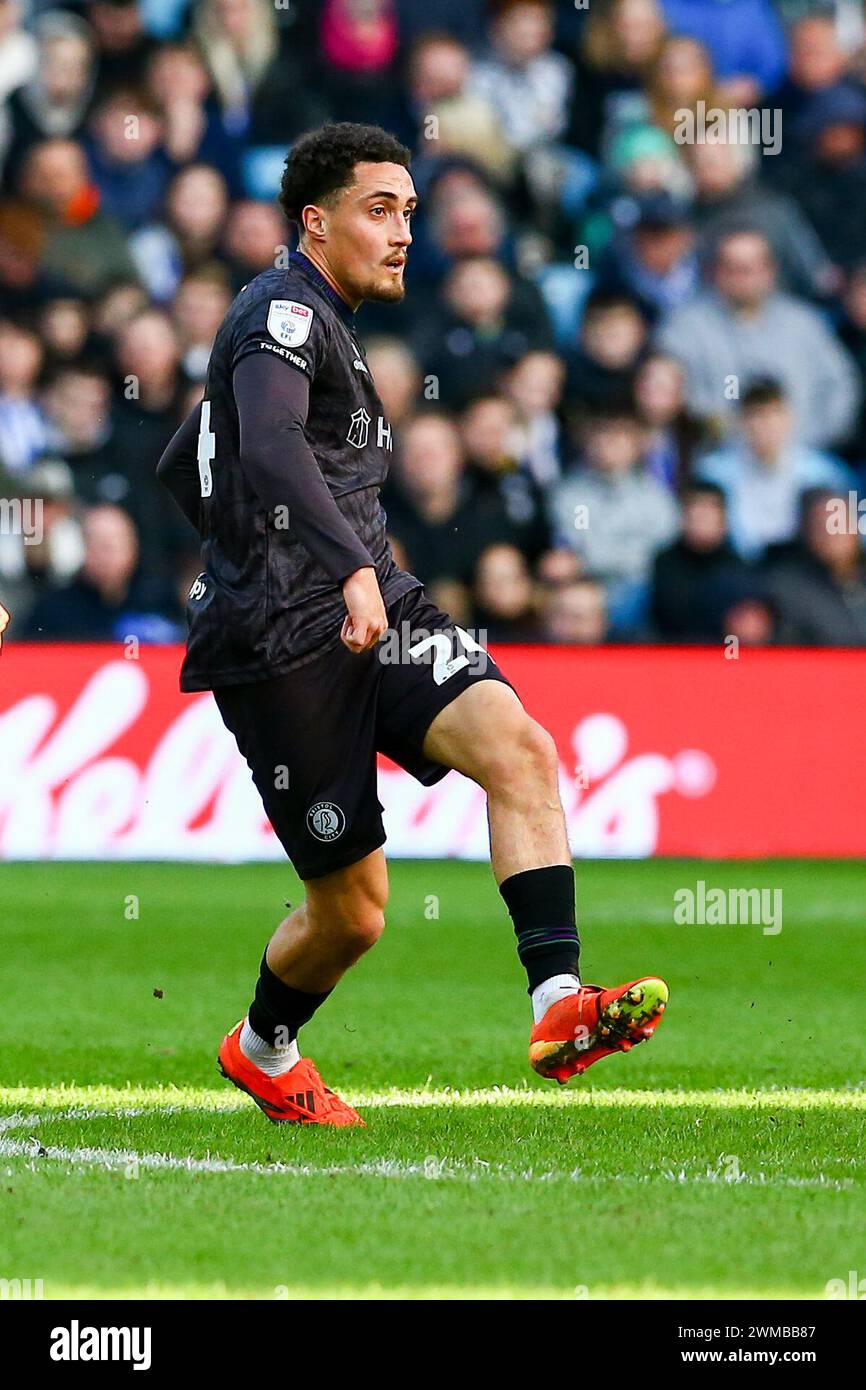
(486,734)
(342,917)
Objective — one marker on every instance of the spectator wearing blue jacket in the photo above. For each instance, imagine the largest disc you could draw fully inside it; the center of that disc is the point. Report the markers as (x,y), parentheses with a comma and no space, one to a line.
(765,473)
(744,39)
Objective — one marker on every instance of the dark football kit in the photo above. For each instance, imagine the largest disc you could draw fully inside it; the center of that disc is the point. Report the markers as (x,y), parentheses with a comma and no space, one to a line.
(289,392)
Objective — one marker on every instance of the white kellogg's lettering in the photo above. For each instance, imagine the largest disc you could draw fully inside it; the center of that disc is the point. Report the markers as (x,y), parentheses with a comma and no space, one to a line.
(620,817)
(64,795)
(617,815)
(185,792)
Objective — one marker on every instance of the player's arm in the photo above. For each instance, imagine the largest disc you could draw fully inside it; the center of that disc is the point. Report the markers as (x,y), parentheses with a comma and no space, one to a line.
(272,401)
(178,468)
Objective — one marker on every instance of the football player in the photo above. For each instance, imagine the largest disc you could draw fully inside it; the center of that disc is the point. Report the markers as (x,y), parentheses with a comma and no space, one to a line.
(320,651)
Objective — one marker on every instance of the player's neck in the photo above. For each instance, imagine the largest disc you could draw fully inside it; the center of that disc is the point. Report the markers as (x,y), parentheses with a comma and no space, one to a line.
(310,255)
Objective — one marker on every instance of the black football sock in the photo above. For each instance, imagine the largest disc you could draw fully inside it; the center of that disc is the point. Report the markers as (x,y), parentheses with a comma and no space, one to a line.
(541,905)
(279,1006)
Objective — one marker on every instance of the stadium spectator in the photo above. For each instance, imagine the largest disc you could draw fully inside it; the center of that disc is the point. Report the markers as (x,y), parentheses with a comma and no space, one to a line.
(557,567)
(48,549)
(613,514)
(764,474)
(397,375)
(653,259)
(359,46)
(680,78)
(817,63)
(197,311)
(110,599)
(146,413)
(195,130)
(742,326)
(535,386)
(503,600)
(23,433)
(505,494)
(575,614)
(257,69)
(690,576)
(485,321)
(19,59)
(128,165)
(672,436)
(443,114)
(466,219)
(187,234)
(852,333)
(621,40)
(601,367)
(55,100)
(83,247)
(431,508)
(255,237)
(123,42)
(729,196)
(64,326)
(743,38)
(77,402)
(829,181)
(820,588)
(527,84)
(751,615)
(116,306)
(571,261)
(642,161)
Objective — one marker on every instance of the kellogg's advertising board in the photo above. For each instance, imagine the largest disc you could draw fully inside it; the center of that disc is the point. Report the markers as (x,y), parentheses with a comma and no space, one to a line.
(663,752)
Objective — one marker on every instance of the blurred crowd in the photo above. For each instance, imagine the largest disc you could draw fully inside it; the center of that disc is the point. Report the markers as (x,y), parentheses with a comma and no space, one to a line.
(627,384)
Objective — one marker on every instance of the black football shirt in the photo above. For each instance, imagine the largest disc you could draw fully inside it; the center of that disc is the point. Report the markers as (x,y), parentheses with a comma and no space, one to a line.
(263,605)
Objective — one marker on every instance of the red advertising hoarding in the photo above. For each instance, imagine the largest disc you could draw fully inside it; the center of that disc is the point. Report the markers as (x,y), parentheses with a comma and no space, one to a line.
(663,751)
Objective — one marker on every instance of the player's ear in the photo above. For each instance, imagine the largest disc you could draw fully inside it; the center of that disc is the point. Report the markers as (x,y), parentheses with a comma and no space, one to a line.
(313,222)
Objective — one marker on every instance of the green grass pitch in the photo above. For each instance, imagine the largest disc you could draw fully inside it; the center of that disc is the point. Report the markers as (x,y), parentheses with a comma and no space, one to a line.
(726,1158)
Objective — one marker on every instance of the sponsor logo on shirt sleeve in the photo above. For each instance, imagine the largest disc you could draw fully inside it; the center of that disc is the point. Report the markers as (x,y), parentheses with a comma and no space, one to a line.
(289,322)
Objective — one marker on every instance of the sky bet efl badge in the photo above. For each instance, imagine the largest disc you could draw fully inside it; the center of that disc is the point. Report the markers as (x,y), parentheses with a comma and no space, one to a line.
(289,322)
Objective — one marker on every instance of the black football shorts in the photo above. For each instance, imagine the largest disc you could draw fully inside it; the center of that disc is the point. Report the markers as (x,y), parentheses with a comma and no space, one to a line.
(311,736)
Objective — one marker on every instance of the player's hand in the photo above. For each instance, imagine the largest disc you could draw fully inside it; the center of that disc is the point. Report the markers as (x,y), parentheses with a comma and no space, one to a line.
(366,620)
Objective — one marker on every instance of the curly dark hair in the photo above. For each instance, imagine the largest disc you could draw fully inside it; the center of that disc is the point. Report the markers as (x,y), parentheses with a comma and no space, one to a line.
(320,164)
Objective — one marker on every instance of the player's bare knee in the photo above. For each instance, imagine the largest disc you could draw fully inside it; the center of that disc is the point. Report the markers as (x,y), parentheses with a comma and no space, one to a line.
(361,927)
(539,755)
(524,763)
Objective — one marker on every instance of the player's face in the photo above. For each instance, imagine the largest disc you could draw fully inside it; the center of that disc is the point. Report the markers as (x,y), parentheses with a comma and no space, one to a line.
(368,234)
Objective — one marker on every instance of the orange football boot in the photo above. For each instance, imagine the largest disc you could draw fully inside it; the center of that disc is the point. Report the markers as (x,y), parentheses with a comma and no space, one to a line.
(298,1096)
(594,1022)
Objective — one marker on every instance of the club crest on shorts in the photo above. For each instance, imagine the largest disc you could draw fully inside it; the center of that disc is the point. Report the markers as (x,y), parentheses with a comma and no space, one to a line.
(326,821)
(289,322)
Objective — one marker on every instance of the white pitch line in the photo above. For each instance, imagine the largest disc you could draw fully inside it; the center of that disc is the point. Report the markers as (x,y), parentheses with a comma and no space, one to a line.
(193,1098)
(432,1168)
